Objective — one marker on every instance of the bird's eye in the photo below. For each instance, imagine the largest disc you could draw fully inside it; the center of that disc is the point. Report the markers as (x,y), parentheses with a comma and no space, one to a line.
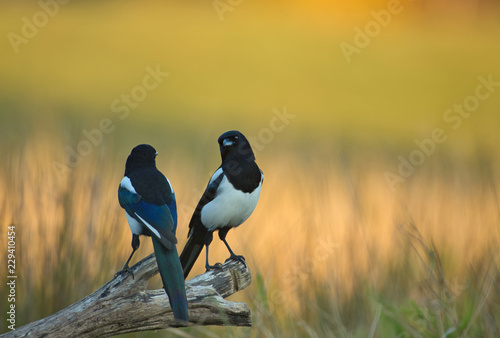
(236,138)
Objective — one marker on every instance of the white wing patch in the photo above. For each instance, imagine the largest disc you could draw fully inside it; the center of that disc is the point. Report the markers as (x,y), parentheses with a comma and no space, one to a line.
(150,227)
(215,175)
(127,184)
(170,184)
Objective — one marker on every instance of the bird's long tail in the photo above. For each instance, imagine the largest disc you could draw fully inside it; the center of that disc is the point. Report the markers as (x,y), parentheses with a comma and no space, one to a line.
(173,280)
(192,250)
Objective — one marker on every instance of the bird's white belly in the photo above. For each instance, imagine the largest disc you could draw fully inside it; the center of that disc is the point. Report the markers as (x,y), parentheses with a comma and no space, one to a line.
(230,207)
(135,226)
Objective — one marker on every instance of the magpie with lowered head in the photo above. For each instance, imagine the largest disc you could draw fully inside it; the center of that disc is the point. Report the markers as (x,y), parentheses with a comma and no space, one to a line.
(229,199)
(149,203)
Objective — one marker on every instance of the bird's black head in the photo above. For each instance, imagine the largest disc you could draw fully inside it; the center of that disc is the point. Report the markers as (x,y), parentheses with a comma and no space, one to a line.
(234,145)
(141,156)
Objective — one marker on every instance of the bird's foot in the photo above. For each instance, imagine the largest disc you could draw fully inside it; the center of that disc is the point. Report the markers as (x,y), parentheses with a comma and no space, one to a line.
(125,269)
(215,266)
(237,258)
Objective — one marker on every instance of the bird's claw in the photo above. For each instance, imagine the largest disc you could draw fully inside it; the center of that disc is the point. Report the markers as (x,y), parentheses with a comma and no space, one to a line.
(237,258)
(215,266)
(125,269)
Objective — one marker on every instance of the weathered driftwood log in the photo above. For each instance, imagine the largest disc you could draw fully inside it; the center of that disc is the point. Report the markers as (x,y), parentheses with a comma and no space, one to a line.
(125,305)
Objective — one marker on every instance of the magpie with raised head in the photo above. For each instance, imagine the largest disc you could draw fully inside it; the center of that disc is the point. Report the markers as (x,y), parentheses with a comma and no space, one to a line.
(229,199)
(149,203)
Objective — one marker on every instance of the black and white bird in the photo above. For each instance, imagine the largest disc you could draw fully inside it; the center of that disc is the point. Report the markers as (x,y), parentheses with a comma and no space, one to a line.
(229,199)
(149,203)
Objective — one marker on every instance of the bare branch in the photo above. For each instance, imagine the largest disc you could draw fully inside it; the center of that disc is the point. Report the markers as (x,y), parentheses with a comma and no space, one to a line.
(125,305)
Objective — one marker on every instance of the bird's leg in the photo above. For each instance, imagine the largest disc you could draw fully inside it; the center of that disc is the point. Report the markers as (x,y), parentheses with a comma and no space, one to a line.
(135,245)
(208,240)
(126,267)
(222,235)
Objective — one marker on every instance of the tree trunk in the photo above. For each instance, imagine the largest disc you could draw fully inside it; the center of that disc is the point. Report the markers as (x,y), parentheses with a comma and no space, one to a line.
(125,305)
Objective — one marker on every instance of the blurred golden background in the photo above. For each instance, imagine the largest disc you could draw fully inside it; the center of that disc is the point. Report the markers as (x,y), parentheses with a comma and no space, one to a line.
(376,124)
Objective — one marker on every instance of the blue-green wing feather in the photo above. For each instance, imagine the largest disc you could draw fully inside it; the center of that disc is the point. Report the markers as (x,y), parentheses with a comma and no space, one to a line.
(172,278)
(161,222)
(127,197)
(158,217)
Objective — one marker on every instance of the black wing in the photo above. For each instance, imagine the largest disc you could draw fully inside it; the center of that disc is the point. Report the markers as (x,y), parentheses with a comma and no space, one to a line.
(197,231)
